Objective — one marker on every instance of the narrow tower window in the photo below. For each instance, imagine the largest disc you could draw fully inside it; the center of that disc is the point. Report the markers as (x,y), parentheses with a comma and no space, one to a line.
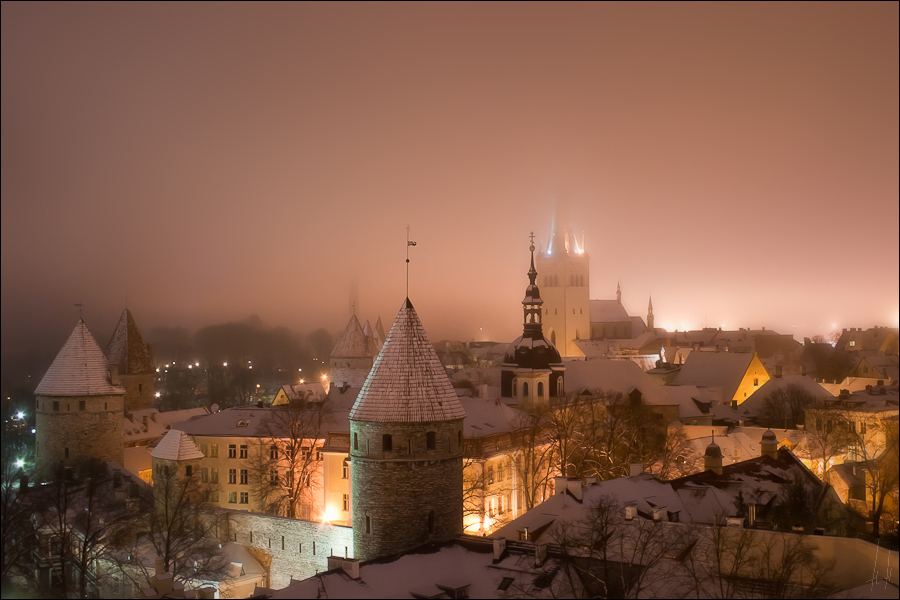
(355,441)
(525,389)
(368,524)
(540,389)
(430,440)
(387,443)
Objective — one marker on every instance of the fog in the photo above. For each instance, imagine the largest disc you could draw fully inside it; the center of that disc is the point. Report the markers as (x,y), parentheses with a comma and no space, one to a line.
(202,163)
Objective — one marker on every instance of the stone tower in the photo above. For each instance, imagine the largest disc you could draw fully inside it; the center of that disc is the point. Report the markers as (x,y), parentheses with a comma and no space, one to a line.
(176,459)
(80,407)
(127,349)
(650,314)
(565,280)
(532,370)
(406,431)
(353,356)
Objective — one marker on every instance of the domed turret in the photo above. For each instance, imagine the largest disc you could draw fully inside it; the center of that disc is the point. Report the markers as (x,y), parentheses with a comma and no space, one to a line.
(712,458)
(768,445)
(532,369)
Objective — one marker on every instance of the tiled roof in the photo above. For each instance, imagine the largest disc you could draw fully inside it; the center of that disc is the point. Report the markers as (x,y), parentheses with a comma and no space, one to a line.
(407,383)
(608,311)
(353,343)
(127,349)
(80,368)
(176,445)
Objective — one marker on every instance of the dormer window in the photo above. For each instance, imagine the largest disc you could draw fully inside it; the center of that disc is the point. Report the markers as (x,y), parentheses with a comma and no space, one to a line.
(243,423)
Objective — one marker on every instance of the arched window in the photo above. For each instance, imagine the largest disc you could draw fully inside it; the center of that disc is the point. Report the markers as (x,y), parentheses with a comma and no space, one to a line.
(525,389)
(430,440)
(540,389)
(387,443)
(560,387)
(431,521)
(553,337)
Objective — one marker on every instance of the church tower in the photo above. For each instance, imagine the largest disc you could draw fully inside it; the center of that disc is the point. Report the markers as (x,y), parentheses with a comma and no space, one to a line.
(650,314)
(127,350)
(406,431)
(353,355)
(532,370)
(565,281)
(80,407)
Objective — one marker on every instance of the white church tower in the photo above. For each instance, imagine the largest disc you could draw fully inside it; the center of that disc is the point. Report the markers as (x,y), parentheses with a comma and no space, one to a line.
(564,278)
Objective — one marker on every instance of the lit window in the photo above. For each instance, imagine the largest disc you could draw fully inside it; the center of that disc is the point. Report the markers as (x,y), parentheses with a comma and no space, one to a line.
(345,470)
(346,502)
(214,451)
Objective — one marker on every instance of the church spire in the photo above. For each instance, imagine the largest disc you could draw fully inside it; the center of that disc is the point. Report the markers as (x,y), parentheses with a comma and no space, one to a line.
(650,313)
(532,302)
(619,292)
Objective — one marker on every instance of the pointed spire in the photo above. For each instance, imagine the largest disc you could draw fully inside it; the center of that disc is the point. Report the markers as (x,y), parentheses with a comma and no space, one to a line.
(353,342)
(126,347)
(650,305)
(532,301)
(407,383)
(80,368)
(619,292)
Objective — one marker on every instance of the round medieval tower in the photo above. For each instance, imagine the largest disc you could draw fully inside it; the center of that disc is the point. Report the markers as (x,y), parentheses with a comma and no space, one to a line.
(80,407)
(406,431)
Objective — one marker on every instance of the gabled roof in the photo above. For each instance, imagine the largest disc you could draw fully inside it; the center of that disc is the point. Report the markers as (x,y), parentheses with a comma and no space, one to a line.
(80,368)
(723,370)
(755,404)
(608,311)
(176,445)
(407,383)
(127,349)
(353,343)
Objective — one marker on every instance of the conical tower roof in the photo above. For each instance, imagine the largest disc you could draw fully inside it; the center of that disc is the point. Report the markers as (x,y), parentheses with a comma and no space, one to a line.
(407,383)
(353,342)
(80,368)
(127,349)
(176,445)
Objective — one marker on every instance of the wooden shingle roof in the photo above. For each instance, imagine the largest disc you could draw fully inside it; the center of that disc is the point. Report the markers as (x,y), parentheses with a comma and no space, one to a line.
(407,383)
(127,349)
(80,368)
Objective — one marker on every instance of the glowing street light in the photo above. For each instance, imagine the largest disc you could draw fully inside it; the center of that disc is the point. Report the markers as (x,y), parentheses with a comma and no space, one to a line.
(20,463)
(224,364)
(196,364)
(20,415)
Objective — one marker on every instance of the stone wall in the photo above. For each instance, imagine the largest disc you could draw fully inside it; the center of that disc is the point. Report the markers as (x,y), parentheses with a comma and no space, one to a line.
(288,548)
(140,390)
(92,432)
(409,495)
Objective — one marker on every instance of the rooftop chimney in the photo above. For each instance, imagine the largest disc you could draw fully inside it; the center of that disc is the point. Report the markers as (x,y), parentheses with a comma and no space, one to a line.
(635,468)
(499,548)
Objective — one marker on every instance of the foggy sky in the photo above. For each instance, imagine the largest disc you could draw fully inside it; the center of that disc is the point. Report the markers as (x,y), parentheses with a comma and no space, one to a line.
(215,161)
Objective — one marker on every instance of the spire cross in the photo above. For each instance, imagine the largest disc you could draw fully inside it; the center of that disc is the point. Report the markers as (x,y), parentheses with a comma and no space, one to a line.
(531,237)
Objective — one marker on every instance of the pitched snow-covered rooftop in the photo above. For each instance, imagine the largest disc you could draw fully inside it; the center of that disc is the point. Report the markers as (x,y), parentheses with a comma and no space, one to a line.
(723,370)
(127,349)
(407,383)
(176,445)
(354,343)
(608,311)
(80,368)
(754,405)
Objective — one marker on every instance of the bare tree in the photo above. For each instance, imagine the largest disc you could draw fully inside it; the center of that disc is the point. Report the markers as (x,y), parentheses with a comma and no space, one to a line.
(179,527)
(287,463)
(18,539)
(828,435)
(533,457)
(786,405)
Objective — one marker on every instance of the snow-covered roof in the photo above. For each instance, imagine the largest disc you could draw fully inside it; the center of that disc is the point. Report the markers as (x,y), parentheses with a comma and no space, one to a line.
(354,343)
(407,383)
(615,376)
(176,445)
(753,405)
(303,391)
(608,311)
(489,416)
(149,423)
(715,370)
(127,349)
(80,368)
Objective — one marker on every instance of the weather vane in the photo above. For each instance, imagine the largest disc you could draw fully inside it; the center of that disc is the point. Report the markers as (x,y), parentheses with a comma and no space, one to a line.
(408,244)
(80,308)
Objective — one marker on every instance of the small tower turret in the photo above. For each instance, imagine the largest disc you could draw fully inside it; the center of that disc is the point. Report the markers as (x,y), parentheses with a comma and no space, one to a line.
(712,458)
(768,445)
